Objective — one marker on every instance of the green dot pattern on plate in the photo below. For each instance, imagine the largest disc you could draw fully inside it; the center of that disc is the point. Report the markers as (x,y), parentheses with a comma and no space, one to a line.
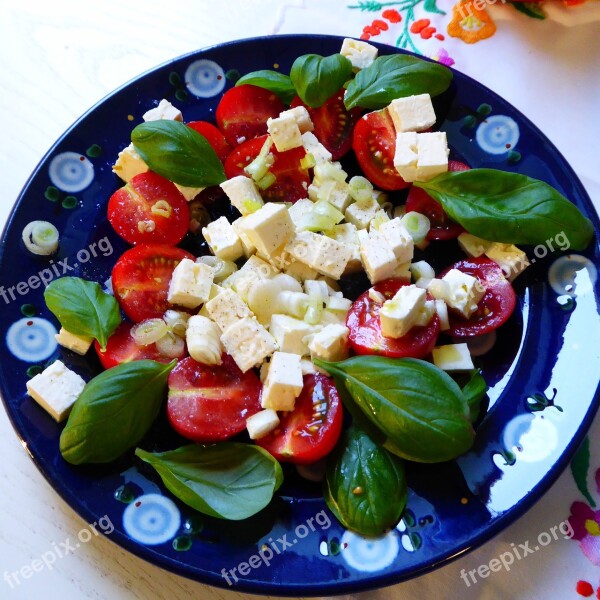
(469,121)
(34,370)
(174,79)
(232,75)
(69,202)
(409,518)
(124,494)
(484,110)
(416,540)
(334,546)
(52,194)
(29,310)
(94,151)
(193,525)
(514,156)
(182,543)
(181,95)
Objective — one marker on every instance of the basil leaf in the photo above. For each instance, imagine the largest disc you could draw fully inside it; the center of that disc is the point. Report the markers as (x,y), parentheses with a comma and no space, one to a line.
(419,407)
(83,308)
(396,76)
(509,207)
(178,153)
(275,82)
(317,78)
(365,487)
(114,412)
(474,392)
(227,480)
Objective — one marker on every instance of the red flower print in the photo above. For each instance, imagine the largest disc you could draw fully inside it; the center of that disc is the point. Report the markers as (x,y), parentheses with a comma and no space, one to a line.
(392,15)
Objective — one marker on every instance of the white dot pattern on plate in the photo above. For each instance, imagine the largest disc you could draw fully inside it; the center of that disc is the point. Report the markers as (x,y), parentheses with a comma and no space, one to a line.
(369,555)
(497,135)
(531,438)
(572,274)
(151,519)
(204,78)
(71,172)
(31,339)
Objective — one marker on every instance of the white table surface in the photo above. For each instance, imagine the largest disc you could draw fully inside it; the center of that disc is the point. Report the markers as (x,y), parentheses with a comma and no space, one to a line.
(56,60)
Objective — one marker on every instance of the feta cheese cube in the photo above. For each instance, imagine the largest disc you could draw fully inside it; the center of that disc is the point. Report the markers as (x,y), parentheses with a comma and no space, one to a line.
(331,343)
(433,155)
(284,382)
(308,368)
(406,155)
(247,246)
(284,132)
(453,357)
(439,289)
(190,283)
(215,290)
(203,338)
(338,304)
(398,239)
(55,389)
(413,113)
(425,314)
(129,164)
(77,343)
(465,292)
(376,296)
(321,253)
(512,260)
(400,314)
(472,245)
(248,343)
(269,228)
(189,193)
(402,271)
(442,312)
(164,111)
(227,308)
(222,239)
(377,257)
(359,53)
(262,423)
(289,333)
(337,193)
(301,116)
(300,271)
(243,194)
(299,209)
(361,214)
(279,258)
(313,146)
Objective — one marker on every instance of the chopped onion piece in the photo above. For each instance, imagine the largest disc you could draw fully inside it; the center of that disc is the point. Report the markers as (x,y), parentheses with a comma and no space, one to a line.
(223,268)
(177,321)
(417,225)
(41,238)
(148,332)
(171,346)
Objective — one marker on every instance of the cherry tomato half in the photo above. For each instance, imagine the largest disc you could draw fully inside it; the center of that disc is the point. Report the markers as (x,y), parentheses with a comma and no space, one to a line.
(493,309)
(365,327)
(310,431)
(149,209)
(243,112)
(292,180)
(374,144)
(213,136)
(210,403)
(333,123)
(141,278)
(442,226)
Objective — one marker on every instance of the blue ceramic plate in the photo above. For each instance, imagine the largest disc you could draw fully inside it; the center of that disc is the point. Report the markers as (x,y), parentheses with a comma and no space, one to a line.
(542,366)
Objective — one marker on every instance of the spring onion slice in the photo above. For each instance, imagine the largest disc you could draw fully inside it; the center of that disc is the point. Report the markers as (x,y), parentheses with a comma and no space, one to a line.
(417,225)
(41,238)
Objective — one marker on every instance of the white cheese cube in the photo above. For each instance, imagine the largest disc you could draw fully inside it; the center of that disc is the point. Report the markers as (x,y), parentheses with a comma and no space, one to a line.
(413,113)
(190,284)
(337,304)
(269,228)
(453,357)
(361,215)
(313,146)
(337,193)
(442,312)
(203,338)
(247,246)
(77,343)
(400,314)
(406,155)
(248,343)
(422,282)
(376,296)
(433,155)
(189,193)
(465,292)
(425,314)
(472,245)
(279,258)
(512,260)
(398,239)
(289,333)
(129,164)
(215,290)
(260,267)
(164,111)
(402,271)
(300,271)
(55,389)
(222,239)
(346,233)
(325,171)
(308,367)
(377,257)
(331,343)
(227,308)
(243,194)
(262,423)
(284,132)
(284,382)
(299,209)
(439,289)
(359,53)
(321,253)
(301,116)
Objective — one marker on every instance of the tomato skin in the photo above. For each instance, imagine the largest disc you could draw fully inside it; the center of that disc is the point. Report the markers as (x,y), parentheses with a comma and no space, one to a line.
(292,180)
(494,309)
(141,277)
(210,403)
(294,441)
(442,226)
(365,328)
(334,124)
(243,112)
(214,137)
(374,143)
(132,205)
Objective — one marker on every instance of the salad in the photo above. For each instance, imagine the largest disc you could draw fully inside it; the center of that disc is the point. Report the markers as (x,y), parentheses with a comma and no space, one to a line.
(279,277)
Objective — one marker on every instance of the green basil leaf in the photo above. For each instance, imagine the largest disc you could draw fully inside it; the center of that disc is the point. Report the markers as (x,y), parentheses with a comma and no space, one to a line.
(396,76)
(317,78)
(275,82)
(114,412)
(365,487)
(419,407)
(178,153)
(227,480)
(474,392)
(83,308)
(509,207)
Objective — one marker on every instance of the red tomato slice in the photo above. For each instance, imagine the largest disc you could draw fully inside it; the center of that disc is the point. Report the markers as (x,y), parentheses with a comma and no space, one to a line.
(243,112)
(149,209)
(442,226)
(374,143)
(141,277)
(365,328)
(333,123)
(214,137)
(292,180)
(121,348)
(310,431)
(493,309)
(210,403)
